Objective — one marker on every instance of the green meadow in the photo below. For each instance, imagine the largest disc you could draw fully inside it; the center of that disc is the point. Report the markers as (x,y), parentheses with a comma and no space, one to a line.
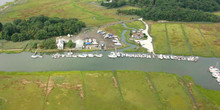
(103,90)
(88,11)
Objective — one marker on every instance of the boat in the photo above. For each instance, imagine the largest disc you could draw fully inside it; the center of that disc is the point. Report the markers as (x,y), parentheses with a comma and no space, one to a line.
(112,55)
(98,55)
(218,80)
(74,56)
(82,55)
(90,55)
(216,74)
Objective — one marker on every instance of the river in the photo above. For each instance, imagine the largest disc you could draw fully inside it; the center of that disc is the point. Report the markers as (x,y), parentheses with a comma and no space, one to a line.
(3,2)
(199,70)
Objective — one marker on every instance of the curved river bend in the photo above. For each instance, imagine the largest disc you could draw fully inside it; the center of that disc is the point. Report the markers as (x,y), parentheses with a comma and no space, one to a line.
(199,70)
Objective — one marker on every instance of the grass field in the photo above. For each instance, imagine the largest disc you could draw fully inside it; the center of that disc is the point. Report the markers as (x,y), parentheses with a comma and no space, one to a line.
(211,33)
(64,91)
(178,43)
(102,90)
(160,40)
(170,89)
(203,101)
(136,91)
(116,29)
(217,13)
(196,40)
(136,25)
(88,11)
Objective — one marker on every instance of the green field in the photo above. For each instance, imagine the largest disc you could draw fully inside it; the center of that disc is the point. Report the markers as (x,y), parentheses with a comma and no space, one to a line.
(178,43)
(116,29)
(64,91)
(102,90)
(136,91)
(101,94)
(197,42)
(209,101)
(186,37)
(170,89)
(88,11)
(136,25)
(160,40)
(211,33)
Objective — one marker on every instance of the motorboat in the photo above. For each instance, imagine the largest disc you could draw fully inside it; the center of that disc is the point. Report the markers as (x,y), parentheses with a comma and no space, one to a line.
(90,55)
(98,55)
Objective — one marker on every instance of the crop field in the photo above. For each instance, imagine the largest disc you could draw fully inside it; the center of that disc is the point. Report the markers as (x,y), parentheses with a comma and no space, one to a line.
(88,11)
(178,43)
(160,40)
(170,89)
(203,102)
(196,41)
(102,90)
(136,25)
(211,33)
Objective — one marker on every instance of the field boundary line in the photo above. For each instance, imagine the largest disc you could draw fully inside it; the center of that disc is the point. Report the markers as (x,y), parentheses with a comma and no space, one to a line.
(84,90)
(187,39)
(119,89)
(45,97)
(156,91)
(3,103)
(186,89)
(207,44)
(168,41)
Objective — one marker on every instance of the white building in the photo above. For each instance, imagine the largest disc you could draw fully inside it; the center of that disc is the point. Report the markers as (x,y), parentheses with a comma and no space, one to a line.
(79,44)
(60,44)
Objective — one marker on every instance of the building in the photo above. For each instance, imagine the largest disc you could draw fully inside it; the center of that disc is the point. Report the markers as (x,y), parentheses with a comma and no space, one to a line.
(138,34)
(60,44)
(79,44)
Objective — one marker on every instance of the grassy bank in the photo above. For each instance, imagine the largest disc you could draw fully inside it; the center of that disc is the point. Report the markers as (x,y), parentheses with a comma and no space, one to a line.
(136,25)
(98,90)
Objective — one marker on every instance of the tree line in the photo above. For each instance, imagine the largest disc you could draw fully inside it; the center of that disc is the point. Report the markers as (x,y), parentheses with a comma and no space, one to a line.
(39,27)
(174,10)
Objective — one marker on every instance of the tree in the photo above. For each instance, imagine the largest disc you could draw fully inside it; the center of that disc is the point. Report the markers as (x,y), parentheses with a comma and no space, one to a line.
(145,36)
(15,37)
(130,33)
(34,46)
(1,26)
(70,44)
(42,34)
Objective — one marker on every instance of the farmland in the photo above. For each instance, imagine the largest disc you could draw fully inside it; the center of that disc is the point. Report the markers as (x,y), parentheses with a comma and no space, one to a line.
(98,90)
(88,11)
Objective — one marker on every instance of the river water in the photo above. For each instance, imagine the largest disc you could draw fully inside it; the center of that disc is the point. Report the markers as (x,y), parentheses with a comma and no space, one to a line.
(199,70)
(3,2)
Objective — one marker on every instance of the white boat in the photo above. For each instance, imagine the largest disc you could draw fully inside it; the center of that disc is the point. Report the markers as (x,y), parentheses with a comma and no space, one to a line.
(82,55)
(216,74)
(218,80)
(98,55)
(90,55)
(33,56)
(74,56)
(112,55)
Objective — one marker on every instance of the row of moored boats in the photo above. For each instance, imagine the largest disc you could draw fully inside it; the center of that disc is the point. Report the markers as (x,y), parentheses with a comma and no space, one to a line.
(71,55)
(161,57)
(215,73)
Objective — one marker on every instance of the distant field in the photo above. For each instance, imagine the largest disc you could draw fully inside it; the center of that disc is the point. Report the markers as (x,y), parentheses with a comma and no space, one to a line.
(211,33)
(178,43)
(102,90)
(88,11)
(196,41)
(186,38)
(160,40)
(136,25)
(217,13)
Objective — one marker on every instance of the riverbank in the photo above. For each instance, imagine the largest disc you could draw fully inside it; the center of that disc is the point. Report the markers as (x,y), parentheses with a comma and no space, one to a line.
(79,89)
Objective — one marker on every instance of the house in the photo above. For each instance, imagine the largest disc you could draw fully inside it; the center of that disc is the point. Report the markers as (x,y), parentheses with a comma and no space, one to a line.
(60,44)
(79,44)
(137,34)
